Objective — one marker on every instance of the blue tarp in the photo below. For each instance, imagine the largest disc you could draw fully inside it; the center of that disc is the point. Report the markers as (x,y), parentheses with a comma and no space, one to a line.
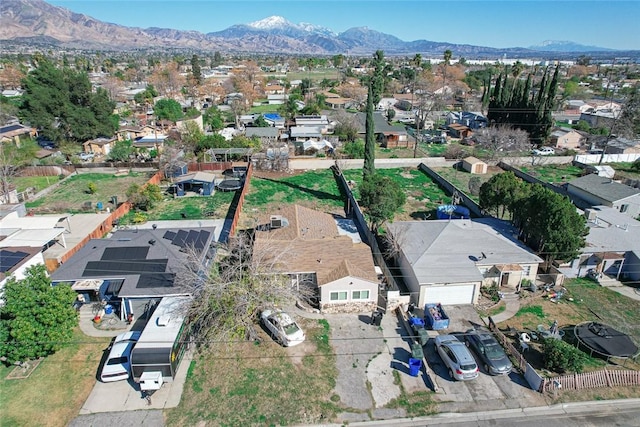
(452,212)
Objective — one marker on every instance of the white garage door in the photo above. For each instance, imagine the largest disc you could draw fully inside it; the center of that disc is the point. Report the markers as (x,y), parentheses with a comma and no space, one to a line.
(449,295)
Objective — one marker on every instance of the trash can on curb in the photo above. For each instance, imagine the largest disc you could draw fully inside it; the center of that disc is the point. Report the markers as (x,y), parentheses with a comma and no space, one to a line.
(108,309)
(376,318)
(416,351)
(414,366)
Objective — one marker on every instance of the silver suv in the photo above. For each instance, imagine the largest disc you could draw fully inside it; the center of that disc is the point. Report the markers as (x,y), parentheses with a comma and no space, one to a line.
(456,356)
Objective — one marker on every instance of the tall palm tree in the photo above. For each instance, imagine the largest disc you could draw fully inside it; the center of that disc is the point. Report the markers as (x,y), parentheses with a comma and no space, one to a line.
(447,60)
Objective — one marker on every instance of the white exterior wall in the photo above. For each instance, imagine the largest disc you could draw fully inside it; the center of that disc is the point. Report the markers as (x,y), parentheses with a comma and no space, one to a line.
(348,284)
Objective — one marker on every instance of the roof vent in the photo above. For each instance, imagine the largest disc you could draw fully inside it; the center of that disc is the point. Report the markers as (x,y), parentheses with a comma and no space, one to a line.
(152,242)
(164,320)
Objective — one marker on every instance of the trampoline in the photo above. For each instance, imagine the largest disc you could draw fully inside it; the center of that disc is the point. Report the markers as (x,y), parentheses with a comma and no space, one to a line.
(229,185)
(605,340)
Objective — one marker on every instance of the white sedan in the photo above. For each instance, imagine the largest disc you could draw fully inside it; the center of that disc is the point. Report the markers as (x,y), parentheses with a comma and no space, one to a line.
(283,328)
(117,366)
(544,151)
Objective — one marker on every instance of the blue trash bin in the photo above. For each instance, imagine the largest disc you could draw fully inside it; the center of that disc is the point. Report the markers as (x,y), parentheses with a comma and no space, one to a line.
(108,309)
(414,366)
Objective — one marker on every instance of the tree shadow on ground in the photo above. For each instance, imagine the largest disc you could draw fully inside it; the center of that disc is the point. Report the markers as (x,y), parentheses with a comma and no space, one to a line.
(322,195)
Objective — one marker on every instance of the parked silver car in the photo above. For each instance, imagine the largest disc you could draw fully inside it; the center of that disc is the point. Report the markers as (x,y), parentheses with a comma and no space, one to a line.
(456,356)
(489,352)
(118,365)
(283,328)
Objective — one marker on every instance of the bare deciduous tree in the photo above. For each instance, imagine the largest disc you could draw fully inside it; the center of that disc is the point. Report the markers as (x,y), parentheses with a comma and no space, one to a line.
(499,141)
(242,281)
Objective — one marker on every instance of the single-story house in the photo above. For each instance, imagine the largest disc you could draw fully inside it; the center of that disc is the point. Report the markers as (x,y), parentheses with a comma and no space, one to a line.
(315,249)
(277,99)
(297,133)
(151,142)
(612,246)
(15,132)
(448,261)
(597,190)
(567,139)
(468,119)
(623,146)
(268,135)
(133,132)
(99,146)
(14,262)
(474,165)
(202,183)
(387,135)
(135,268)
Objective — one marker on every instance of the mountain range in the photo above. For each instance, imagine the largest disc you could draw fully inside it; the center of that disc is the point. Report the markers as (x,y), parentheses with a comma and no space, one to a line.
(37,22)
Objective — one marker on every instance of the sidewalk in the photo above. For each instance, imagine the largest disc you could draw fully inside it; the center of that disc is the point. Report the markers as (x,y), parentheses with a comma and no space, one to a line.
(512,302)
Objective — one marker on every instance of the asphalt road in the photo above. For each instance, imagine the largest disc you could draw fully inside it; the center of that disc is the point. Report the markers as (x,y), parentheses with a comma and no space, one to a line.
(619,413)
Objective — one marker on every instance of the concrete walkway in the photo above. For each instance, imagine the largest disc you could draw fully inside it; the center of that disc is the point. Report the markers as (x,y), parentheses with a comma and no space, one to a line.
(512,302)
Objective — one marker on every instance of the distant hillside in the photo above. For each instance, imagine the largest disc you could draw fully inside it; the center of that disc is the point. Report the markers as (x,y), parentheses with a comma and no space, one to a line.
(35,21)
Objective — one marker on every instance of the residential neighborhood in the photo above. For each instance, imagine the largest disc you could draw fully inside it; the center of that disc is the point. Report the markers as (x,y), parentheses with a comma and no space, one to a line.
(208,237)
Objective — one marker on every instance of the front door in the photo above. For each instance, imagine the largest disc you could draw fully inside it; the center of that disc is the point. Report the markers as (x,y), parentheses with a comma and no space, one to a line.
(504,280)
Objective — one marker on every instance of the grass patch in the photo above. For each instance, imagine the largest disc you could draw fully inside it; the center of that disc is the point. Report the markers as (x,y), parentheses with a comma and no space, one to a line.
(417,404)
(461,178)
(554,174)
(207,207)
(316,187)
(37,182)
(423,194)
(263,384)
(72,194)
(625,170)
(495,310)
(536,310)
(54,393)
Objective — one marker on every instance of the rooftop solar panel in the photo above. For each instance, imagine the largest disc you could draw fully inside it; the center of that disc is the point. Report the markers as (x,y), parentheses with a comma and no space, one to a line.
(169,235)
(179,239)
(123,267)
(200,243)
(130,253)
(10,128)
(159,280)
(191,238)
(9,259)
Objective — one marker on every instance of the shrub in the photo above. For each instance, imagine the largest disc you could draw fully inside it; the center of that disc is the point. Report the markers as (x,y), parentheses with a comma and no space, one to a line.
(92,188)
(560,356)
(139,218)
(491,292)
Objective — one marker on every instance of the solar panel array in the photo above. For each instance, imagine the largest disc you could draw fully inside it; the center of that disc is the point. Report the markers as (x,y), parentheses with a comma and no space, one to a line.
(124,267)
(188,239)
(10,128)
(132,252)
(9,259)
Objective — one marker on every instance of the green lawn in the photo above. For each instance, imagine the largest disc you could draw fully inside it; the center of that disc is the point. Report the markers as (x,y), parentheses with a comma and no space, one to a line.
(263,109)
(423,195)
(56,390)
(318,188)
(461,178)
(73,193)
(625,170)
(248,384)
(38,182)
(208,207)
(553,174)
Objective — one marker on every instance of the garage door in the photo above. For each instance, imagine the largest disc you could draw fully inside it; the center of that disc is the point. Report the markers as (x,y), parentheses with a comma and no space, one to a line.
(449,295)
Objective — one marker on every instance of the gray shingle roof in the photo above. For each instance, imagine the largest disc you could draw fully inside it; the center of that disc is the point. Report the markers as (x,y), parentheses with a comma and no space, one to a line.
(604,187)
(443,251)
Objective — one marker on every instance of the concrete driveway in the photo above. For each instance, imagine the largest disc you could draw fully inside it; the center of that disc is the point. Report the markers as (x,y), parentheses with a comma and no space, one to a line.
(486,392)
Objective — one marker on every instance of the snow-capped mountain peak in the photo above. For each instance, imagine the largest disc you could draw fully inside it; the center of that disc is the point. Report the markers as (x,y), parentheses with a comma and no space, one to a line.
(270,23)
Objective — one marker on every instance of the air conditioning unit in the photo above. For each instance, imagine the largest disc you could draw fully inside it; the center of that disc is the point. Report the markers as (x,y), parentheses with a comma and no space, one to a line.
(275,221)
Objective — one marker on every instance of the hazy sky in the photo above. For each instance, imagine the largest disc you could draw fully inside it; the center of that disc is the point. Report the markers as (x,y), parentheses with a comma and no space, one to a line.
(507,23)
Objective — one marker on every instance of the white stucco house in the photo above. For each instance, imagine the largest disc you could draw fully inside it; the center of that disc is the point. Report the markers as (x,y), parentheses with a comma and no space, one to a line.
(448,261)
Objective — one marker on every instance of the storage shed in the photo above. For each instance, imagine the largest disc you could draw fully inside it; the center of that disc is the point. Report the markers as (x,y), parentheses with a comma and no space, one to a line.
(474,165)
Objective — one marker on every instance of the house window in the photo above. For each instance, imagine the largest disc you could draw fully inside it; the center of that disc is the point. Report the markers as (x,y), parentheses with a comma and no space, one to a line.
(338,296)
(623,208)
(360,295)
(526,270)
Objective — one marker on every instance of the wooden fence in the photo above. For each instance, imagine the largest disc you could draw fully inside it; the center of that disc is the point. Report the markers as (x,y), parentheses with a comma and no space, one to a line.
(597,379)
(587,380)
(103,228)
(202,166)
(239,200)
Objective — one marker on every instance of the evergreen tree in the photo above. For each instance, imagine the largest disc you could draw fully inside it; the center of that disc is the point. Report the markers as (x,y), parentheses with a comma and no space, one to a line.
(196,71)
(379,78)
(61,105)
(36,319)
(370,142)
